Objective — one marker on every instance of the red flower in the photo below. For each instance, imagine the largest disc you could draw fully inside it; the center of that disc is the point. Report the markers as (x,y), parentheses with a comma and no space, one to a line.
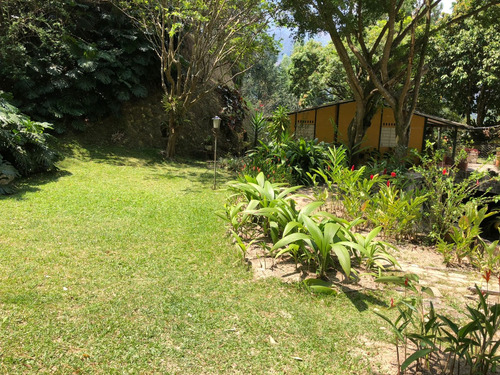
(371,177)
(392,302)
(477,182)
(388,183)
(385,171)
(487,275)
(352,168)
(393,174)
(406,282)
(444,171)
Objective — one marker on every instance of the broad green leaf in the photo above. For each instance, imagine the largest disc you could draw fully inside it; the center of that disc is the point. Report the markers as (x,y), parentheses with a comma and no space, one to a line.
(398,280)
(373,234)
(344,258)
(330,230)
(322,289)
(418,354)
(309,208)
(289,226)
(310,282)
(427,291)
(314,231)
(289,239)
(260,179)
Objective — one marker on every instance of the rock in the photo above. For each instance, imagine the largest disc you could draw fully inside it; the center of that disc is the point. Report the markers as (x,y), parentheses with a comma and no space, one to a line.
(436,292)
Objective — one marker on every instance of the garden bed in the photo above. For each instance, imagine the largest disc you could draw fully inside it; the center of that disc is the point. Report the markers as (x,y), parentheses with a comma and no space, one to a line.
(451,286)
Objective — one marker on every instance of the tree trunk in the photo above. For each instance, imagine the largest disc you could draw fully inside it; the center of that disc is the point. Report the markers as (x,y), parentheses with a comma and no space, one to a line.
(355,130)
(481,107)
(365,110)
(172,137)
(402,133)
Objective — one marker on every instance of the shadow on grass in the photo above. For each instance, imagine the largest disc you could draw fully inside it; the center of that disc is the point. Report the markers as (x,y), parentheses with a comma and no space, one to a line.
(361,299)
(197,171)
(112,155)
(31,184)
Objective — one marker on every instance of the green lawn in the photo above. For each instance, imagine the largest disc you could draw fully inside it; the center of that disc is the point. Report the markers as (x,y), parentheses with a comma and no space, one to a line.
(117,264)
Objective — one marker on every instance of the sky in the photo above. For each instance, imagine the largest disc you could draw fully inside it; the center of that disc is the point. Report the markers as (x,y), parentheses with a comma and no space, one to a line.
(286,37)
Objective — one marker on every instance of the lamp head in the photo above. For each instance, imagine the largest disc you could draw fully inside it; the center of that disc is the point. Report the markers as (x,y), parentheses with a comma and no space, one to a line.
(216,122)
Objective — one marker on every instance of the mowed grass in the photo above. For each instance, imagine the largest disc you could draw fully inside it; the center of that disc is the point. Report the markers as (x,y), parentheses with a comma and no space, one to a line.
(118,264)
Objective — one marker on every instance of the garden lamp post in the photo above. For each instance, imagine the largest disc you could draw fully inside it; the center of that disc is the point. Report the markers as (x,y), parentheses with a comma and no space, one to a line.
(216,123)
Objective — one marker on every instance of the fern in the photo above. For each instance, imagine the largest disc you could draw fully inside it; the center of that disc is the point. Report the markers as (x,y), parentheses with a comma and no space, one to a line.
(24,148)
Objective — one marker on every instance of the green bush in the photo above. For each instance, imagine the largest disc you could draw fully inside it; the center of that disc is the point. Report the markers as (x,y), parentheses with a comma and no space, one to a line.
(68,61)
(24,147)
(289,160)
(474,342)
(312,240)
(449,191)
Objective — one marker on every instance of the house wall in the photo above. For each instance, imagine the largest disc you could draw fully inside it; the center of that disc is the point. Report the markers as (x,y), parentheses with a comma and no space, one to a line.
(320,123)
(325,123)
(346,114)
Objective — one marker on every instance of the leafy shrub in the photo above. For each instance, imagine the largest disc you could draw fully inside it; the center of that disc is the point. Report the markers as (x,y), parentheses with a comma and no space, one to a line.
(398,211)
(475,342)
(279,127)
(256,193)
(448,192)
(313,240)
(289,160)
(316,242)
(24,147)
(462,239)
(371,252)
(69,61)
(271,161)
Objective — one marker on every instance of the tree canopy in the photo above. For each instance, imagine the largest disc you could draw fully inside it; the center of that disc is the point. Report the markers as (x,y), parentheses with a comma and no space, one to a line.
(464,68)
(200,45)
(317,75)
(389,42)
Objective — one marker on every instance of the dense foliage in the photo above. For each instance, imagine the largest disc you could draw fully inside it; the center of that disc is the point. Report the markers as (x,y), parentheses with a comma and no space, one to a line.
(72,61)
(24,147)
(464,69)
(317,75)
(201,45)
(266,86)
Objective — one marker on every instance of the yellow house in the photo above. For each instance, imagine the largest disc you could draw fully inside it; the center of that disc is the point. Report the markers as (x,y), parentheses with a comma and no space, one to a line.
(329,123)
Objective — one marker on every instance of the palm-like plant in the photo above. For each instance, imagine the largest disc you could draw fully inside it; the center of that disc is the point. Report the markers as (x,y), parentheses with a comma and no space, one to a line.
(318,241)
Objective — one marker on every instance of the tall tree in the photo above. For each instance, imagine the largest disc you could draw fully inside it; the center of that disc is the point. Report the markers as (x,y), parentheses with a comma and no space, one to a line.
(201,44)
(389,41)
(266,85)
(317,74)
(465,66)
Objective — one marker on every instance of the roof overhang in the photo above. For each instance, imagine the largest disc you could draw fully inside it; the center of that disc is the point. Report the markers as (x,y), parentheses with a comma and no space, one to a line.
(442,122)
